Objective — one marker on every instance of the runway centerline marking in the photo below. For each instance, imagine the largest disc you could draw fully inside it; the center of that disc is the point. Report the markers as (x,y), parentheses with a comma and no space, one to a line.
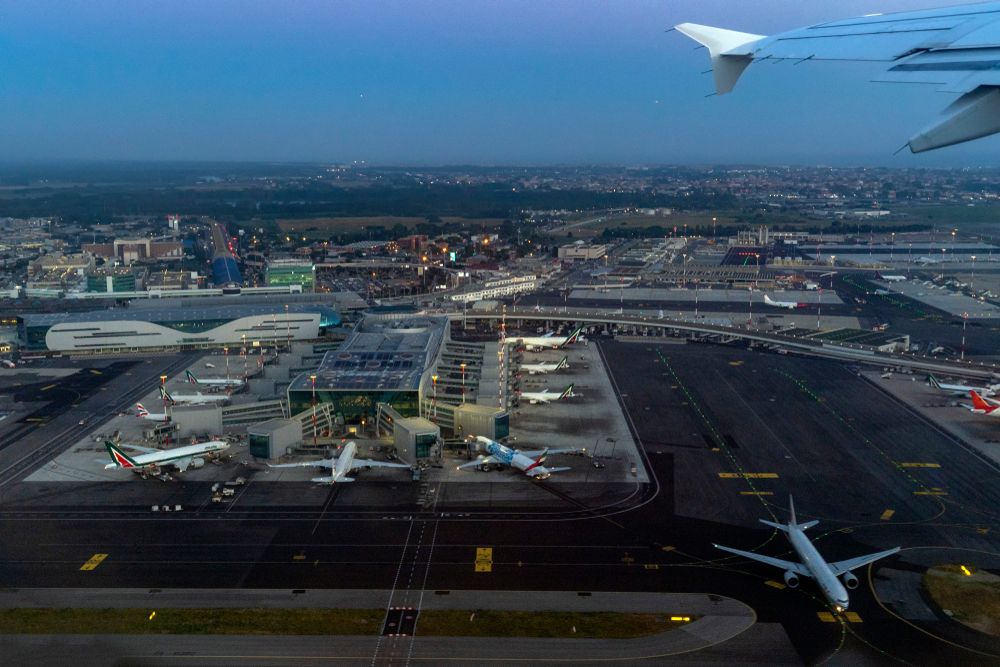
(93,562)
(920,465)
(886,515)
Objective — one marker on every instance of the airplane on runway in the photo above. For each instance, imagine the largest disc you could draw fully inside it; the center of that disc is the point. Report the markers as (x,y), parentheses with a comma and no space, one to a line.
(342,465)
(143,413)
(214,382)
(812,563)
(546,368)
(193,399)
(182,458)
(790,305)
(962,389)
(546,396)
(530,462)
(984,406)
(548,341)
(952,48)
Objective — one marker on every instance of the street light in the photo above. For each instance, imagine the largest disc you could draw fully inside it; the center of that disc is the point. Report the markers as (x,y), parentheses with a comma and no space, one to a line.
(972,278)
(225,351)
(434,379)
(313,378)
(463,381)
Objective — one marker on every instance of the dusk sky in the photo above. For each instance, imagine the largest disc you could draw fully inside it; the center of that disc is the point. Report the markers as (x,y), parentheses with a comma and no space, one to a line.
(420,82)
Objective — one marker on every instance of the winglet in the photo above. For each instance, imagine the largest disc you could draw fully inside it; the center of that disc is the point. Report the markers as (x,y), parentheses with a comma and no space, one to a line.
(731,51)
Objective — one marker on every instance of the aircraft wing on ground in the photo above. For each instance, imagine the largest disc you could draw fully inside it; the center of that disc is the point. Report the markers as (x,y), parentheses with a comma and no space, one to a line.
(368,463)
(956,49)
(538,452)
(322,463)
(797,568)
(842,566)
(478,462)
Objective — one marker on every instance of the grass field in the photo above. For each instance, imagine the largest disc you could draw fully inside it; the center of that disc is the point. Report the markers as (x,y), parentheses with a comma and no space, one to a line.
(354,224)
(441,623)
(972,600)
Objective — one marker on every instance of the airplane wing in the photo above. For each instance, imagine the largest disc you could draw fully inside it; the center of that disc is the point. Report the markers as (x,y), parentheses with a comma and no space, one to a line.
(797,568)
(842,566)
(538,452)
(367,463)
(322,463)
(956,49)
(478,462)
(182,464)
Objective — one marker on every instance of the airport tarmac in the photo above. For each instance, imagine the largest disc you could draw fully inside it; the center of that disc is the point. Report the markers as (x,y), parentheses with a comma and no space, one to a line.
(714,426)
(943,298)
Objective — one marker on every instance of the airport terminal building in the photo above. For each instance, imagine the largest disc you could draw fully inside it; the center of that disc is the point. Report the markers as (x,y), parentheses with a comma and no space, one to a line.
(136,329)
(388,358)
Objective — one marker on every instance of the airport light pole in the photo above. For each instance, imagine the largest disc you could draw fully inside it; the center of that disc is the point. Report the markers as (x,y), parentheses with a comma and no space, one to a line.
(434,402)
(965,318)
(713,231)
(313,378)
(892,247)
(225,352)
(163,390)
(972,278)
(463,381)
(243,337)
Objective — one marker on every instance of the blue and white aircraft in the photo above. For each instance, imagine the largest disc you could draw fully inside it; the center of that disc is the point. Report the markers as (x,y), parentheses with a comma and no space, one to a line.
(812,563)
(528,462)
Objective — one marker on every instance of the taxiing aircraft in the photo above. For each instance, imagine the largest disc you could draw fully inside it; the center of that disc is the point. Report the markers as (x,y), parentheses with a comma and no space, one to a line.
(341,466)
(962,389)
(953,48)
(548,341)
(984,406)
(182,458)
(530,462)
(546,368)
(143,413)
(192,399)
(812,563)
(546,396)
(790,305)
(214,382)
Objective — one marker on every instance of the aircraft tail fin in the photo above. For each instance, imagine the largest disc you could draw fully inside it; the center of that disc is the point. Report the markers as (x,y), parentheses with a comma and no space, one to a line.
(567,392)
(933,382)
(141,410)
(563,363)
(573,336)
(191,378)
(979,403)
(119,458)
(730,51)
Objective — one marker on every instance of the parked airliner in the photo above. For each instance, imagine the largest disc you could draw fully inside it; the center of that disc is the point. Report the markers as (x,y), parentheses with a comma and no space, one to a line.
(546,396)
(341,466)
(528,462)
(546,367)
(182,458)
(790,305)
(548,341)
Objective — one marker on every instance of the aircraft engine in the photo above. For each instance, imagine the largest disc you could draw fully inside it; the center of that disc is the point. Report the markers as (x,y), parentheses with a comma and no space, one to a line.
(197,463)
(791,579)
(850,580)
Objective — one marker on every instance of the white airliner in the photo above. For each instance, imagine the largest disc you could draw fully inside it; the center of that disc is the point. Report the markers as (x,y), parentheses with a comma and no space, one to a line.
(984,406)
(151,416)
(790,305)
(192,399)
(952,48)
(341,466)
(812,563)
(546,367)
(548,341)
(182,458)
(214,382)
(546,396)
(962,389)
(530,462)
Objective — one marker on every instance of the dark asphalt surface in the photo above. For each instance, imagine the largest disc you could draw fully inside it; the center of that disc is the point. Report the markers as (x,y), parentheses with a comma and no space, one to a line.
(832,439)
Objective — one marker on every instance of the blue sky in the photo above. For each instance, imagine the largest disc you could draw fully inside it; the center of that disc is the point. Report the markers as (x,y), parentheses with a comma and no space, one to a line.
(432,82)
